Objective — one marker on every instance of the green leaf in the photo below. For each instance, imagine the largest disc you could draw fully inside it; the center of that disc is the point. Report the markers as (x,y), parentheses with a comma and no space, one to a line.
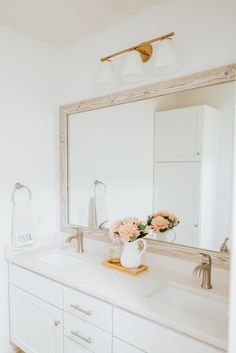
(142,226)
(133,238)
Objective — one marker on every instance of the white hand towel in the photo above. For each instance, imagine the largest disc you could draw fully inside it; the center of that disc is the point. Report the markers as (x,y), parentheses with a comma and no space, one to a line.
(92,219)
(22,225)
(101,209)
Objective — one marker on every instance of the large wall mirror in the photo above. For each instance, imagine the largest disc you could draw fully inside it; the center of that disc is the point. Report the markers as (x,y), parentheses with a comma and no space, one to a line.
(172,152)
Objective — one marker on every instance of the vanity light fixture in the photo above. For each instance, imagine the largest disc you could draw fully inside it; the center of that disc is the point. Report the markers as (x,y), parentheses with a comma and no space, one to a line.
(107,77)
(165,57)
(136,56)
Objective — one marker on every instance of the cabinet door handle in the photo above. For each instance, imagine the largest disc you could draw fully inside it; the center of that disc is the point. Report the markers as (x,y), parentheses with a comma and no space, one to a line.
(77,307)
(77,334)
(56,323)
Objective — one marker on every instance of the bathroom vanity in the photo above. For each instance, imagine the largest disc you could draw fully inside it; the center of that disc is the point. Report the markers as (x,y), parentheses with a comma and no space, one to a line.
(62,301)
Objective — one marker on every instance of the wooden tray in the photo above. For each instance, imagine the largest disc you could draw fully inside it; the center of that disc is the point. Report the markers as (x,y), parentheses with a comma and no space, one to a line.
(118,267)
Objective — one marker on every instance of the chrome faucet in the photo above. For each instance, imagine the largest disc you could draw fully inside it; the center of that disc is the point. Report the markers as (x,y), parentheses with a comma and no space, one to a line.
(225,247)
(101,225)
(205,269)
(79,236)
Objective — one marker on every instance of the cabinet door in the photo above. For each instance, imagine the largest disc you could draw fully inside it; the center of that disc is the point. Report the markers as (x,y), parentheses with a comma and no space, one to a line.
(177,189)
(178,134)
(122,347)
(154,338)
(36,327)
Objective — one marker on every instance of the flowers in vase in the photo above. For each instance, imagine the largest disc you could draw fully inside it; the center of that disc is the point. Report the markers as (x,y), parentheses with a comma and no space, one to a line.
(129,229)
(162,221)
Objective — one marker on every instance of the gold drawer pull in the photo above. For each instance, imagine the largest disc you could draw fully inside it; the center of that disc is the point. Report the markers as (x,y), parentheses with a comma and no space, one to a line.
(77,307)
(77,334)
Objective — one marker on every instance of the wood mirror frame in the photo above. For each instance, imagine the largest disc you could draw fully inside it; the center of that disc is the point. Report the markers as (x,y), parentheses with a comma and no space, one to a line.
(198,80)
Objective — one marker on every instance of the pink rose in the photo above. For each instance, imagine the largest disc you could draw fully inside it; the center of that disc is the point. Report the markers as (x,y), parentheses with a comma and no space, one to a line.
(128,230)
(160,223)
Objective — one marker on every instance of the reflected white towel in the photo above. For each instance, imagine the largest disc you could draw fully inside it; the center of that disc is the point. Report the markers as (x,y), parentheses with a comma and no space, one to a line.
(92,219)
(101,209)
(22,225)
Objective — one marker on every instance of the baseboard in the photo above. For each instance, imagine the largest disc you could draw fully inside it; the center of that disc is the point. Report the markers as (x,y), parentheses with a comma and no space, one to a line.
(10,349)
(7,349)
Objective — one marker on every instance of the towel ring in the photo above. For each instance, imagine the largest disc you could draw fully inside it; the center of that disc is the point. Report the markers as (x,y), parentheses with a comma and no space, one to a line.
(19,186)
(96,183)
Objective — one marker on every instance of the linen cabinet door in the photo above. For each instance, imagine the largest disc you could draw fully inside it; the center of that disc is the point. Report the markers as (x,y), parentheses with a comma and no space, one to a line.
(122,347)
(177,189)
(36,327)
(172,143)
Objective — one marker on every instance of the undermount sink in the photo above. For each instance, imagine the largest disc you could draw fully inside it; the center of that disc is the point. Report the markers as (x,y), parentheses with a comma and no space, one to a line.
(61,259)
(188,302)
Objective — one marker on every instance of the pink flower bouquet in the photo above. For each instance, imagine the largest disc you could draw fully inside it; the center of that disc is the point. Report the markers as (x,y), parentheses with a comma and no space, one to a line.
(162,221)
(129,229)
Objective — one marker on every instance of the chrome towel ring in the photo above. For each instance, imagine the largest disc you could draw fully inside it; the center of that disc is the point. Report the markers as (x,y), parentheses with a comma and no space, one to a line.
(96,184)
(19,186)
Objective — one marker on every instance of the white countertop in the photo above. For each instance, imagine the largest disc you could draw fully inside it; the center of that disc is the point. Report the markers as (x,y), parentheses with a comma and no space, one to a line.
(128,292)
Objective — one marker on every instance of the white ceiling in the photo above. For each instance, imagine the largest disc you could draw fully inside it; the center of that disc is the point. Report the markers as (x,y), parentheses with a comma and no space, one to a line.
(60,22)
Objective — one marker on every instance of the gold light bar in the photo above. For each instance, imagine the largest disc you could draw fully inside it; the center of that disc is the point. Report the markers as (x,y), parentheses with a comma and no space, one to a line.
(145,48)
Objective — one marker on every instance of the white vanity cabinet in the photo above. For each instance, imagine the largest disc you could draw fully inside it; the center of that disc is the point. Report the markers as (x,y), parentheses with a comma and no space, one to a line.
(185,171)
(48,317)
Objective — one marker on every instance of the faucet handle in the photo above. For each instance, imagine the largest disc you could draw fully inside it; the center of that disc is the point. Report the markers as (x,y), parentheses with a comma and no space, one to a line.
(206,258)
(78,230)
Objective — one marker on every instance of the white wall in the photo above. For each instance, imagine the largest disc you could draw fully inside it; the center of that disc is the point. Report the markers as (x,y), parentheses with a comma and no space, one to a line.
(205,30)
(204,39)
(28,140)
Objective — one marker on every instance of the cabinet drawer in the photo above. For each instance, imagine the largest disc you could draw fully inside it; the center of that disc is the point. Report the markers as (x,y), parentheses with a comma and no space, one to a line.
(86,335)
(153,338)
(37,285)
(122,347)
(88,309)
(72,347)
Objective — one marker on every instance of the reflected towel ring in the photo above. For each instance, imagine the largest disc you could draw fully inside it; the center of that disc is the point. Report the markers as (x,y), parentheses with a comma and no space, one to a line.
(96,183)
(19,186)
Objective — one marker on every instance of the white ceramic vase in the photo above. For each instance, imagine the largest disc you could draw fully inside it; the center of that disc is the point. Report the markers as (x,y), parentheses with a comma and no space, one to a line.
(168,236)
(131,256)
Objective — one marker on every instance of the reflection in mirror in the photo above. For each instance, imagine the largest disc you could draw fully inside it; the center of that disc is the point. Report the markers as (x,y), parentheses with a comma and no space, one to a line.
(172,153)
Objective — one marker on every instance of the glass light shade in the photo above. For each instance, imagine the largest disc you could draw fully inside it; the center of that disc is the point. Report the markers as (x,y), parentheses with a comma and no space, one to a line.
(106,77)
(133,67)
(165,57)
